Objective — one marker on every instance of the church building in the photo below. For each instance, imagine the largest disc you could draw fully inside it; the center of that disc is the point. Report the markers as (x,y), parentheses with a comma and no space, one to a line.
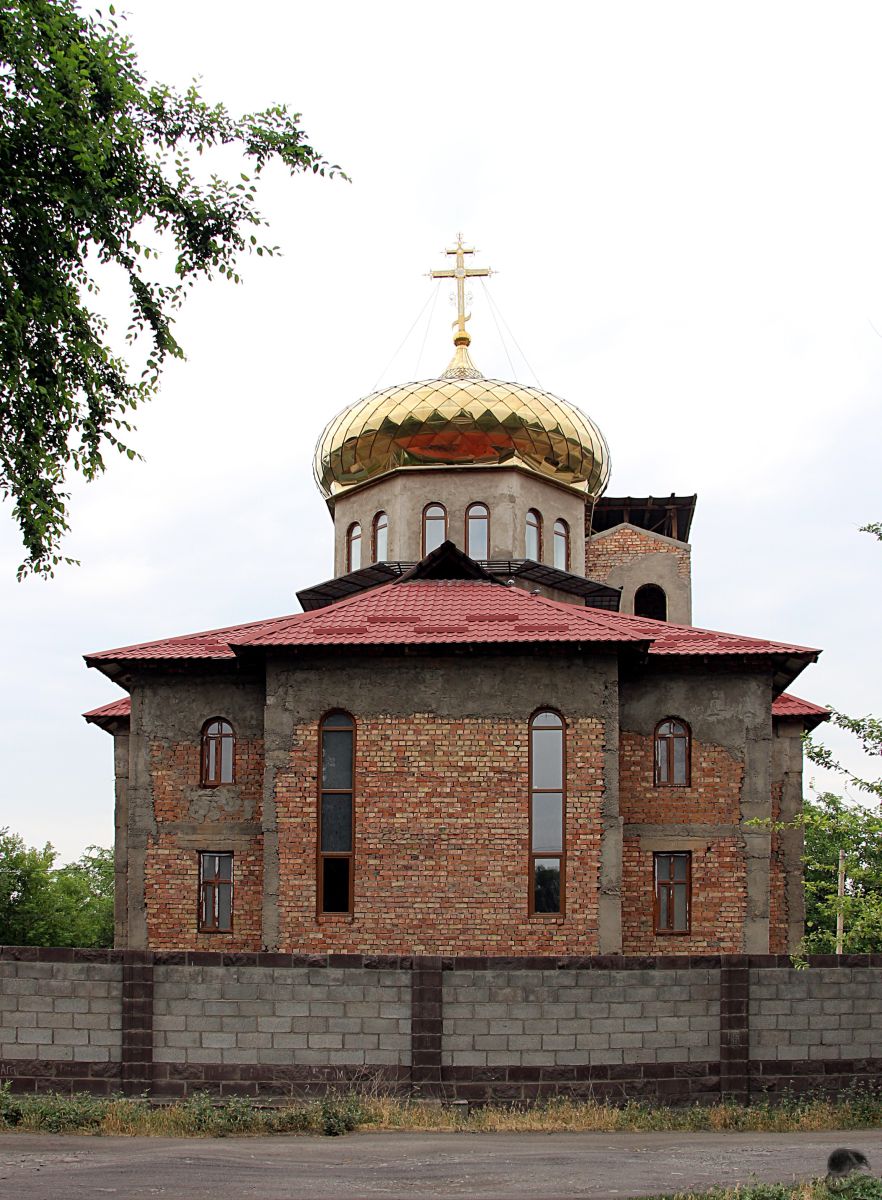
(495,730)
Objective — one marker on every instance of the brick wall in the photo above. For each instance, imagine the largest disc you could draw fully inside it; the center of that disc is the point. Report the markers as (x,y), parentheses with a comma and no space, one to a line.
(675,1028)
(604,553)
(447,872)
(171,868)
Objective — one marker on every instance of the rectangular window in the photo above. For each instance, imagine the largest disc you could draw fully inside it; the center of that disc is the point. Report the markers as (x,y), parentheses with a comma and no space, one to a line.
(336,813)
(673,892)
(215,892)
(547,804)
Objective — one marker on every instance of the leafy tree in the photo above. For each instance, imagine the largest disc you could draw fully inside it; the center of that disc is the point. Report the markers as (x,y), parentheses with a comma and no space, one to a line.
(45,905)
(95,164)
(832,824)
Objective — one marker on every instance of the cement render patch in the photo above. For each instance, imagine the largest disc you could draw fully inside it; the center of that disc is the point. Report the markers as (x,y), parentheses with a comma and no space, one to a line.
(490,1166)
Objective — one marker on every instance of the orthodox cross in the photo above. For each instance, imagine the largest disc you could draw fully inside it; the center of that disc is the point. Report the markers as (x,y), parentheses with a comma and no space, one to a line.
(461,273)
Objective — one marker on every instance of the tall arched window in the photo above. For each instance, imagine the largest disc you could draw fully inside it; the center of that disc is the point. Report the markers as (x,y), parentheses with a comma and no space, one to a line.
(651,601)
(547,795)
(534,535)
(336,813)
(478,531)
(672,753)
(434,527)
(381,537)
(561,545)
(353,547)
(218,752)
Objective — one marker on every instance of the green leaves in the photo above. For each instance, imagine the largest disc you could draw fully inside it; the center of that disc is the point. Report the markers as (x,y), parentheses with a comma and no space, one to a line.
(832,824)
(92,158)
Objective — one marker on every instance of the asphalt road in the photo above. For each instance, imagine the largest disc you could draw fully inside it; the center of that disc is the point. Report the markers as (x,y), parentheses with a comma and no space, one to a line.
(489,1165)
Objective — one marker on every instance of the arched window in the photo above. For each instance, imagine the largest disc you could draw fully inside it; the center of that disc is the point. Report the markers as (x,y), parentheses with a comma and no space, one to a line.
(547,795)
(218,752)
(478,531)
(336,813)
(434,527)
(353,547)
(534,535)
(381,537)
(561,545)
(651,601)
(672,753)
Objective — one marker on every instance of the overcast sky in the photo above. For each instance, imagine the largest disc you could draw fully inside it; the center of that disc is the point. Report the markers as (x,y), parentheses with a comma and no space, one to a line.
(683,203)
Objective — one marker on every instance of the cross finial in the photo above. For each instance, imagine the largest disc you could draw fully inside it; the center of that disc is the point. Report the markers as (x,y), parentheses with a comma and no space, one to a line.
(461,367)
(461,273)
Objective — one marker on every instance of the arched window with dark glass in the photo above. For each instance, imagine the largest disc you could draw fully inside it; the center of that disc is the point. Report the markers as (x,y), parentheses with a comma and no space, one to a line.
(336,813)
(547,800)
(561,545)
(353,547)
(533,539)
(434,527)
(477,531)
(218,752)
(672,753)
(651,601)
(381,537)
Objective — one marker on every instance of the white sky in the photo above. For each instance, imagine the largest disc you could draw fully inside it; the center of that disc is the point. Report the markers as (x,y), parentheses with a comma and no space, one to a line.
(684,205)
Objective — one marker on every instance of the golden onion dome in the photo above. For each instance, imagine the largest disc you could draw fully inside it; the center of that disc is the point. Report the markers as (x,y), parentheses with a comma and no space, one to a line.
(461,419)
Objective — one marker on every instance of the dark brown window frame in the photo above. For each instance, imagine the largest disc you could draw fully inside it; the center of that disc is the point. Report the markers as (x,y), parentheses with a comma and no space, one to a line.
(213,884)
(670,884)
(206,738)
(486,519)
(375,528)
(531,792)
(349,540)
(321,856)
(426,517)
(534,512)
(668,739)
(565,533)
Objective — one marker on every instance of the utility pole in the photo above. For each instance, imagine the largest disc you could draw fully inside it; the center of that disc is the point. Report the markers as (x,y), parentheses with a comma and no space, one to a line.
(840,892)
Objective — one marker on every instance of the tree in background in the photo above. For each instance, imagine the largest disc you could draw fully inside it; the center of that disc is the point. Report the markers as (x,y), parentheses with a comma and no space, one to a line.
(45,905)
(97,174)
(832,824)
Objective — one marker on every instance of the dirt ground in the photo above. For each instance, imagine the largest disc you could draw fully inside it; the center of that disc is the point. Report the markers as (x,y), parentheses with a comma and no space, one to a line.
(488,1165)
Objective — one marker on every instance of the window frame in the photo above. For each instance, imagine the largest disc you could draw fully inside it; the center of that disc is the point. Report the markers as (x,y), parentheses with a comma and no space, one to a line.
(351,537)
(561,529)
(486,518)
(204,738)
(531,792)
(670,884)
(425,518)
(538,525)
(375,529)
(201,926)
(320,855)
(669,739)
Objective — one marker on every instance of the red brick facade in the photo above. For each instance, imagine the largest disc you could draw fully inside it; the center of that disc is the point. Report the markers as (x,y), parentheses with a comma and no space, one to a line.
(441,841)
(172,870)
(607,551)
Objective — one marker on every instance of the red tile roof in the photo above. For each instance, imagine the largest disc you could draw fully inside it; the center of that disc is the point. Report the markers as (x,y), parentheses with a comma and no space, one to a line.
(116,708)
(787,705)
(450,611)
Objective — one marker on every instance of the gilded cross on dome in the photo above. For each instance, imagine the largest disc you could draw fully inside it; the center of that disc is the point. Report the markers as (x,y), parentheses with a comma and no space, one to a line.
(461,366)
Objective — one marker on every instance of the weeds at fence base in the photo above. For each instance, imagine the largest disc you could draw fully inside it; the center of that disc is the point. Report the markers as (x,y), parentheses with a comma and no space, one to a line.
(342,1111)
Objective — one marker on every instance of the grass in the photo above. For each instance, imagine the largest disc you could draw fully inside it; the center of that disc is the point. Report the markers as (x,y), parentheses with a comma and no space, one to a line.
(201,1115)
(857,1187)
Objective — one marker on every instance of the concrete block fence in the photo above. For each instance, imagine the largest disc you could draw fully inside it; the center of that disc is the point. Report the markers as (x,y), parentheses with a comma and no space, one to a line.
(677,1029)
